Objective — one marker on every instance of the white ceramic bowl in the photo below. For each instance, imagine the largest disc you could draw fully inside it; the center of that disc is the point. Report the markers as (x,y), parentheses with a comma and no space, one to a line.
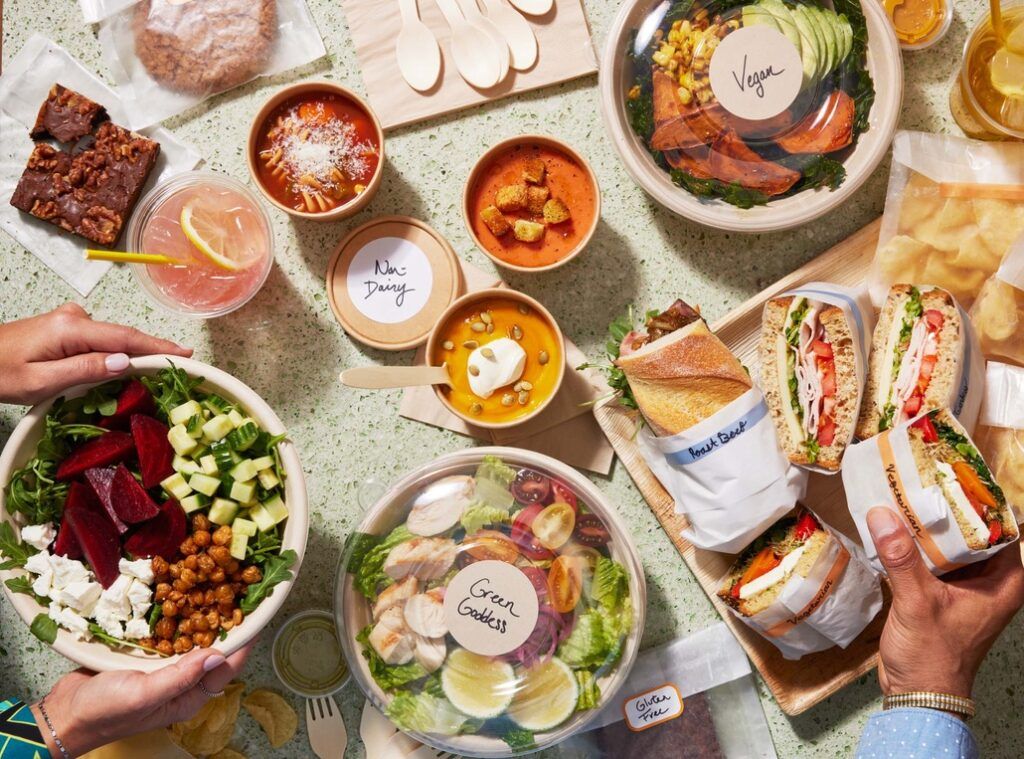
(95,655)
(885,65)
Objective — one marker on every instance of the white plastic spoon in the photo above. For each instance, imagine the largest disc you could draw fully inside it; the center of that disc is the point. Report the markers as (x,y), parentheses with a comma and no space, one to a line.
(474,17)
(473,51)
(533,7)
(419,55)
(517,31)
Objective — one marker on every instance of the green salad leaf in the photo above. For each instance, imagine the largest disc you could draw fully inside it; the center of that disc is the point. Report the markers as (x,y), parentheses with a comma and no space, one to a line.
(276,569)
(388,676)
(170,388)
(479,515)
(100,634)
(425,713)
(23,584)
(44,628)
(618,329)
(493,468)
(590,694)
(519,739)
(610,588)
(731,192)
(963,446)
(370,578)
(588,645)
(15,552)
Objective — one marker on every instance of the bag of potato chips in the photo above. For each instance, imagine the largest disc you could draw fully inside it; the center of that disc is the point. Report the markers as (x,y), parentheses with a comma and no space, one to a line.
(953,210)
(1000,431)
(998,313)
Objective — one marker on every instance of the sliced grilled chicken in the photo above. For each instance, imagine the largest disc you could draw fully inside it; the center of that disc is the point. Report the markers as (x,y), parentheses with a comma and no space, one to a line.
(429,652)
(423,558)
(392,639)
(395,595)
(440,507)
(424,614)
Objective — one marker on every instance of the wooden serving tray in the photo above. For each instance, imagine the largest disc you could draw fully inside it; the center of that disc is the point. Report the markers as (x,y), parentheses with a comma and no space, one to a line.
(796,685)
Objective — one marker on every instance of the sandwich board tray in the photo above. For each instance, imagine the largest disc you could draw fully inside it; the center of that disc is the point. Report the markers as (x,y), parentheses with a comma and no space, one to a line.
(796,685)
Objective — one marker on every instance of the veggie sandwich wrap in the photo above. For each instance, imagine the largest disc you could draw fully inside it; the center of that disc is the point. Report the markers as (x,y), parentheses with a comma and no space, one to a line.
(710,440)
(803,586)
(932,475)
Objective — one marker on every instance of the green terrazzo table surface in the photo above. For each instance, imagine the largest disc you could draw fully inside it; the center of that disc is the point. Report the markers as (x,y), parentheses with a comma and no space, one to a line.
(289,348)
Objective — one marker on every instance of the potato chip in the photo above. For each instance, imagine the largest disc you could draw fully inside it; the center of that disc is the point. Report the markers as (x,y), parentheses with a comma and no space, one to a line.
(210,730)
(902,258)
(920,201)
(1000,222)
(962,283)
(277,718)
(996,314)
(1003,449)
(975,253)
(949,228)
(227,753)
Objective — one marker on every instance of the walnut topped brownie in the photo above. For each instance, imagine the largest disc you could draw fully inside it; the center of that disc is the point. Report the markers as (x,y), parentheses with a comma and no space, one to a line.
(67,116)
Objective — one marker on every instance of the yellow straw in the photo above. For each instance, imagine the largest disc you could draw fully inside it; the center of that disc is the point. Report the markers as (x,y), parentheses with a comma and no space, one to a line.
(997,20)
(128,258)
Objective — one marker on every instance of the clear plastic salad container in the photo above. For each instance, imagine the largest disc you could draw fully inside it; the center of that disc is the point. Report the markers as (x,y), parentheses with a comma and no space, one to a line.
(491,602)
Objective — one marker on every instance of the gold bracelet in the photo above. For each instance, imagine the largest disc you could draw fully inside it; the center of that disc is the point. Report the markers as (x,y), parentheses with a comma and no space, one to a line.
(947,702)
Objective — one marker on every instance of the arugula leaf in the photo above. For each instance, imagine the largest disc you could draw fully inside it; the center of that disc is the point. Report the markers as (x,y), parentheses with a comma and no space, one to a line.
(102,399)
(155,612)
(821,171)
(262,546)
(14,550)
(618,329)
(101,634)
(964,447)
(23,584)
(170,388)
(44,628)
(275,570)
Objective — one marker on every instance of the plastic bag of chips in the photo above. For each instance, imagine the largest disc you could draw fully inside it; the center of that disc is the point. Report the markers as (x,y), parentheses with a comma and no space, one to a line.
(998,313)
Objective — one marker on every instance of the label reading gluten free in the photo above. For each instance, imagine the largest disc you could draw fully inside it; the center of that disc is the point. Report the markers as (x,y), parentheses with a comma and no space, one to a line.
(652,707)
(389,280)
(490,608)
(756,72)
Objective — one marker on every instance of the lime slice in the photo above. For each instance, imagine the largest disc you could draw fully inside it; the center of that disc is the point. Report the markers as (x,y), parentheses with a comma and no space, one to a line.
(477,685)
(546,698)
(208,229)
(1008,73)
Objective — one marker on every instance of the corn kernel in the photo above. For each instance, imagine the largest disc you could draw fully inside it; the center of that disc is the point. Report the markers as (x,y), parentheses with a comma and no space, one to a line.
(685,97)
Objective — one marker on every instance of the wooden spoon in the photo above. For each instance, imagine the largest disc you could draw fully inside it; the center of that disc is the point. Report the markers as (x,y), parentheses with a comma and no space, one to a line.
(533,7)
(517,31)
(419,56)
(473,16)
(383,377)
(473,51)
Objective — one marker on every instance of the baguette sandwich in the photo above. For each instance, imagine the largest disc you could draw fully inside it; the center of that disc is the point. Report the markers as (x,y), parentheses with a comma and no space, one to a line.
(809,376)
(915,356)
(789,547)
(680,373)
(947,458)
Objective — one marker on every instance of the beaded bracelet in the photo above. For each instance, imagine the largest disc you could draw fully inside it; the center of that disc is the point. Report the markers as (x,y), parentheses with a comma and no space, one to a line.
(49,726)
(946,702)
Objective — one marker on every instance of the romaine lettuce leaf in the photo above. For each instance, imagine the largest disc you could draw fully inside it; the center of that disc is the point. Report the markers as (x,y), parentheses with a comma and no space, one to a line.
(479,515)
(369,574)
(387,676)
(493,468)
(425,713)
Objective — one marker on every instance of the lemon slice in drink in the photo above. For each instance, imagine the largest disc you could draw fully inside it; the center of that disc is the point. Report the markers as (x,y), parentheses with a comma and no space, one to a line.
(546,697)
(478,686)
(1008,72)
(207,227)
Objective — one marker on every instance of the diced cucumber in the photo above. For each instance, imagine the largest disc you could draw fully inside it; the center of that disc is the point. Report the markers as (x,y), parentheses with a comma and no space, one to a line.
(222,511)
(179,439)
(243,526)
(263,520)
(204,483)
(243,492)
(236,419)
(194,502)
(201,450)
(244,471)
(176,486)
(263,462)
(184,412)
(217,428)
(238,544)
(195,427)
(208,464)
(183,465)
(268,479)
(275,507)
(224,456)
(243,438)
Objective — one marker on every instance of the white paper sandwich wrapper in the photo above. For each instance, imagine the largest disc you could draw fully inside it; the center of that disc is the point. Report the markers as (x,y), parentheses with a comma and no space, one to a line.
(860,315)
(881,471)
(727,475)
(829,607)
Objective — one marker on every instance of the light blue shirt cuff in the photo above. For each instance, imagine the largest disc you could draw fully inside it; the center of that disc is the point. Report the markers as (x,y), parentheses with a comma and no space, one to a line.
(914,733)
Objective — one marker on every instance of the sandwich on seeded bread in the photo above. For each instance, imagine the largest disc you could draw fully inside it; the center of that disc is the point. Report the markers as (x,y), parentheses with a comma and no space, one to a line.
(809,377)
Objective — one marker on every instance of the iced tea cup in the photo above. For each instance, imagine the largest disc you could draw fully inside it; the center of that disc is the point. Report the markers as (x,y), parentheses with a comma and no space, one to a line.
(218,231)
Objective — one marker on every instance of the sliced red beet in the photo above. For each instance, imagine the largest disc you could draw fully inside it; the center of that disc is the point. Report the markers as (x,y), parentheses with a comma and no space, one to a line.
(134,399)
(97,537)
(102,480)
(154,449)
(67,544)
(109,448)
(161,536)
(129,500)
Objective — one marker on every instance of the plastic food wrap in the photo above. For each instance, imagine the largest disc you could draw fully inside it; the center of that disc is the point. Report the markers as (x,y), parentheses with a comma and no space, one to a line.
(953,209)
(1000,433)
(998,313)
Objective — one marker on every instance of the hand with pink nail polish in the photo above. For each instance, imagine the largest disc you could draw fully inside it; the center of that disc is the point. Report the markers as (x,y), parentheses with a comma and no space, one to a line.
(940,629)
(45,354)
(89,710)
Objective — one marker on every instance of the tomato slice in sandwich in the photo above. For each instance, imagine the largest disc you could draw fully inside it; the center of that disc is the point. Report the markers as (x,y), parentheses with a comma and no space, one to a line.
(806,526)
(928,433)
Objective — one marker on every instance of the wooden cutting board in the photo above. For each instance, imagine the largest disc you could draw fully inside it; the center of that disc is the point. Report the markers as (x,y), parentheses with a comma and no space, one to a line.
(796,685)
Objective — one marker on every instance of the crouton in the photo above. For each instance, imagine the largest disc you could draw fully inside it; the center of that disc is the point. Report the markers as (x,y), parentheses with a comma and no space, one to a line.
(536,197)
(494,221)
(533,171)
(555,212)
(528,231)
(511,198)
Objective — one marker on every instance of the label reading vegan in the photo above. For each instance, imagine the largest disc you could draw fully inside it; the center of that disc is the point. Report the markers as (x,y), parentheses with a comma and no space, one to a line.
(490,608)
(389,280)
(652,707)
(756,72)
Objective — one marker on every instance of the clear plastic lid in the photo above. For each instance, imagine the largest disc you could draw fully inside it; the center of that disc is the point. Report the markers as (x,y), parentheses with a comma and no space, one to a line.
(490,603)
(746,102)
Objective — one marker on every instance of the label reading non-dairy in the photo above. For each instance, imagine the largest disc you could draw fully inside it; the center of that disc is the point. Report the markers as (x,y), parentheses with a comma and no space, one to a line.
(756,72)
(490,607)
(652,707)
(389,280)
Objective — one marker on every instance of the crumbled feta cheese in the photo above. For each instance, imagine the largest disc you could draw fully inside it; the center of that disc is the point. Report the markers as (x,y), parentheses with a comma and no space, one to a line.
(69,620)
(41,585)
(39,535)
(140,596)
(80,596)
(38,563)
(106,619)
(141,569)
(67,571)
(136,629)
(114,602)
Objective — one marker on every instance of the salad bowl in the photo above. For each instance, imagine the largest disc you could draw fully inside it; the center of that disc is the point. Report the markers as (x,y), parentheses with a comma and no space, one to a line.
(90,651)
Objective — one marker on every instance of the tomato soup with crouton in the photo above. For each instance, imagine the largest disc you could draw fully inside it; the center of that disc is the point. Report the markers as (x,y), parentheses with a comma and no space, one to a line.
(532,203)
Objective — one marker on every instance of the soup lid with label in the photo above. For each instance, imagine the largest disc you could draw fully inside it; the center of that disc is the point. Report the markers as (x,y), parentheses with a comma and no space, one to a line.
(490,602)
(390,279)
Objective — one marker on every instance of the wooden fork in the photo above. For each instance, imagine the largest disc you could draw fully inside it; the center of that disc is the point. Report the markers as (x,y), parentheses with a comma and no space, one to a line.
(326,728)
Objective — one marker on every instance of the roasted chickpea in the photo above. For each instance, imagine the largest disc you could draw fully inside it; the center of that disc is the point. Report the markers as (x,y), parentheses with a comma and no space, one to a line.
(161,592)
(188,547)
(170,609)
(226,609)
(188,576)
(201,538)
(175,595)
(183,644)
(224,594)
(159,565)
(175,571)
(232,566)
(185,627)
(226,624)
(195,597)
(180,586)
(204,640)
(191,562)
(206,564)
(251,574)
(148,642)
(209,598)
(222,536)
(217,576)
(165,647)
(213,619)
(237,615)
(221,555)
(200,523)
(164,628)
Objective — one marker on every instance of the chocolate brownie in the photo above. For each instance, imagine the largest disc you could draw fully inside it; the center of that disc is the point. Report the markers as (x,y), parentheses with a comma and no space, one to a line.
(67,116)
(92,192)
(204,46)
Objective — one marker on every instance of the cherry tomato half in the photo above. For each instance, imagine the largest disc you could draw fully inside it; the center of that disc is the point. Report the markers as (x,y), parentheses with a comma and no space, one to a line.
(590,531)
(562,493)
(553,526)
(523,537)
(491,545)
(538,578)
(530,487)
(586,554)
(565,583)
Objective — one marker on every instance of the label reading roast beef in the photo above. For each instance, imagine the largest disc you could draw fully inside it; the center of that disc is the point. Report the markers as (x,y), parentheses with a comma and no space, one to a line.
(491,608)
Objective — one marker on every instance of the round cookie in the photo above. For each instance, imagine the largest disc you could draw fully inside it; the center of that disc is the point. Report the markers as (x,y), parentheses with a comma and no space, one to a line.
(204,46)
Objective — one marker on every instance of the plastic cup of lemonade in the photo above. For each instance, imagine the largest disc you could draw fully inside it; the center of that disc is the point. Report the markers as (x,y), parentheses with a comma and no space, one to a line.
(218,231)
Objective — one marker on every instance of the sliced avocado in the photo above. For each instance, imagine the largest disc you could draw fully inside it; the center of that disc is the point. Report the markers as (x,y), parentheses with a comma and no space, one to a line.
(784,19)
(829,33)
(846,37)
(809,44)
(755,15)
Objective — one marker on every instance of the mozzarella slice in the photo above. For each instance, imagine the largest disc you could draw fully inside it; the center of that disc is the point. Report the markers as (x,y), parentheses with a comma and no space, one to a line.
(765,581)
(951,486)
